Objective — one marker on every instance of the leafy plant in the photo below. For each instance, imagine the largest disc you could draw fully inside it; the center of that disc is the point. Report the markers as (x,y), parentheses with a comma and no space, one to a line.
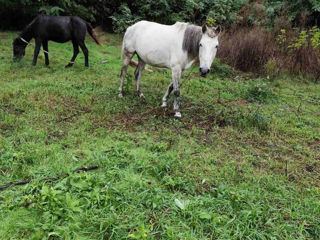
(300,41)
(51,10)
(123,19)
(256,119)
(270,68)
(261,93)
(315,37)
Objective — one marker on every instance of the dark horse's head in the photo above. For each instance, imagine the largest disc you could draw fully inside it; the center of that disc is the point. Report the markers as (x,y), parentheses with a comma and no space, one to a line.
(18,49)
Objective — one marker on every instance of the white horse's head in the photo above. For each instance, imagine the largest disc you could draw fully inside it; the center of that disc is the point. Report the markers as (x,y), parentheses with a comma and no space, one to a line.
(208,47)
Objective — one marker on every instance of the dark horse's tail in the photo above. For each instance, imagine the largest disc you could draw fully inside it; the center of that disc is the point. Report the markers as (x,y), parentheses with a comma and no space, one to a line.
(92,33)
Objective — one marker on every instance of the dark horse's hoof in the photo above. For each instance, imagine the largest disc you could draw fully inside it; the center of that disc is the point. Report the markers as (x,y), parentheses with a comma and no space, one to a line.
(69,65)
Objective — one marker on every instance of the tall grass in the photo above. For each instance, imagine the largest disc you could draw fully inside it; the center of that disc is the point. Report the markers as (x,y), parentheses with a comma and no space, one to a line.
(260,51)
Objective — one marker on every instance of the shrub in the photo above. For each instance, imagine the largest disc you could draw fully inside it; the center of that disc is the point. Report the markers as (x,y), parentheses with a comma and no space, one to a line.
(259,51)
(247,49)
(121,14)
(299,52)
(123,19)
(270,68)
(222,70)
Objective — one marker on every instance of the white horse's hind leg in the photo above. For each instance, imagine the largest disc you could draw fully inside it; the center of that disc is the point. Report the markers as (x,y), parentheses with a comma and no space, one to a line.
(166,95)
(176,75)
(137,74)
(126,58)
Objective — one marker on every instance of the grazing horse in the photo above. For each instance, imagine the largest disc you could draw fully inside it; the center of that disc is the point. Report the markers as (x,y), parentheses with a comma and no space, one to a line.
(58,29)
(176,47)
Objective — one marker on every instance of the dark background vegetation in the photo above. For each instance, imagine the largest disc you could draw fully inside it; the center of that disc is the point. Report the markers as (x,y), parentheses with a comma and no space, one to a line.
(250,43)
(117,14)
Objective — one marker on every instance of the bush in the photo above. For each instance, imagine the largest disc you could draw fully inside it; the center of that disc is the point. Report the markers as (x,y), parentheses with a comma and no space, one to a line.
(121,14)
(247,49)
(123,19)
(226,12)
(259,51)
(270,68)
(300,51)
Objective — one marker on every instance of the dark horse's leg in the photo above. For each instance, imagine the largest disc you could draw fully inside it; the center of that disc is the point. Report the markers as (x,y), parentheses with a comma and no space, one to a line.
(85,52)
(36,51)
(75,53)
(45,48)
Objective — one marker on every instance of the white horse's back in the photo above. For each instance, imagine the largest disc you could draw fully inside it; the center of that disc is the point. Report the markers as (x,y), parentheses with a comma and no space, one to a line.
(155,43)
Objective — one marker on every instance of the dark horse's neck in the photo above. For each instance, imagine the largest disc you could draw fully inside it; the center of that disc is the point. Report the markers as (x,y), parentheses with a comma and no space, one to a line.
(28,32)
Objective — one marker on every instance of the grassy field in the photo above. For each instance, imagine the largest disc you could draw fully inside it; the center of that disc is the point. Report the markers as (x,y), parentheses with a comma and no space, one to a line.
(242,163)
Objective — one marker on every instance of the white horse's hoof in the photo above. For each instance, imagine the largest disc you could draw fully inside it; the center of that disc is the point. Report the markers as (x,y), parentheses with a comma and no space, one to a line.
(120,95)
(164,104)
(177,115)
(141,96)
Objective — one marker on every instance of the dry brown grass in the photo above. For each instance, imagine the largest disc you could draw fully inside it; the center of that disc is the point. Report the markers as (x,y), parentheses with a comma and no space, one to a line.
(247,49)
(250,49)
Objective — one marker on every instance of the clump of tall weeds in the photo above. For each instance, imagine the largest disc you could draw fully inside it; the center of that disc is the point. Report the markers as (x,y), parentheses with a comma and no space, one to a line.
(259,51)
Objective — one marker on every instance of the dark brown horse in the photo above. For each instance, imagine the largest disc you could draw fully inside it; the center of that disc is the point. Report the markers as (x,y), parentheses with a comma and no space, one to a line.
(58,29)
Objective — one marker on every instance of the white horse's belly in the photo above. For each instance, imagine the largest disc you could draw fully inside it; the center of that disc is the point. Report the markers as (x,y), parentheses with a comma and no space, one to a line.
(155,57)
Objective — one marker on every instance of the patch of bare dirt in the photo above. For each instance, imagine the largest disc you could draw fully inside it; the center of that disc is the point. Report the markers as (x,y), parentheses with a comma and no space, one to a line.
(69,107)
(11,109)
(3,36)
(6,127)
(241,102)
(106,52)
(129,119)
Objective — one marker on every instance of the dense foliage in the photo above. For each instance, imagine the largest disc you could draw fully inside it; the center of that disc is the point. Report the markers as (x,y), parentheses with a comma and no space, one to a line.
(120,14)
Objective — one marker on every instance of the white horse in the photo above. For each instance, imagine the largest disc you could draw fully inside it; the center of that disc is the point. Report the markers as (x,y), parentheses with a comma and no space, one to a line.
(176,47)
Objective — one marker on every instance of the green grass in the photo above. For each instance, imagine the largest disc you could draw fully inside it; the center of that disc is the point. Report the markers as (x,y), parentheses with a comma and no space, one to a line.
(242,163)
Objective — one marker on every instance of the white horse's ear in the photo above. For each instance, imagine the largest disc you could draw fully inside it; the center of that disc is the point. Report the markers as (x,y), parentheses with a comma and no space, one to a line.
(204,28)
(218,30)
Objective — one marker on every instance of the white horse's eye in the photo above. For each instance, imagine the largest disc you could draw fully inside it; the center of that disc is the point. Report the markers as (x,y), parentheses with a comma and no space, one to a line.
(217,46)
(200,45)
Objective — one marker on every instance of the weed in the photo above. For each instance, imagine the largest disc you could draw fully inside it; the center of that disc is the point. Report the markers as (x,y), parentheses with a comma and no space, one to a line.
(255,119)
(261,93)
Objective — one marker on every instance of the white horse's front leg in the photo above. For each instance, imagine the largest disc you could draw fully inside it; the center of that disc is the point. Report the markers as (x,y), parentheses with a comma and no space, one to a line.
(176,75)
(166,95)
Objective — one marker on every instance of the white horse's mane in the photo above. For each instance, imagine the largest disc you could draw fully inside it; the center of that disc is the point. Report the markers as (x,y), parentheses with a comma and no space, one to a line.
(191,40)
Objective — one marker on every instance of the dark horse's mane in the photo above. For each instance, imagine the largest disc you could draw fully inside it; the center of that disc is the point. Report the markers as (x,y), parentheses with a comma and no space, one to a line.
(28,27)
(191,40)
